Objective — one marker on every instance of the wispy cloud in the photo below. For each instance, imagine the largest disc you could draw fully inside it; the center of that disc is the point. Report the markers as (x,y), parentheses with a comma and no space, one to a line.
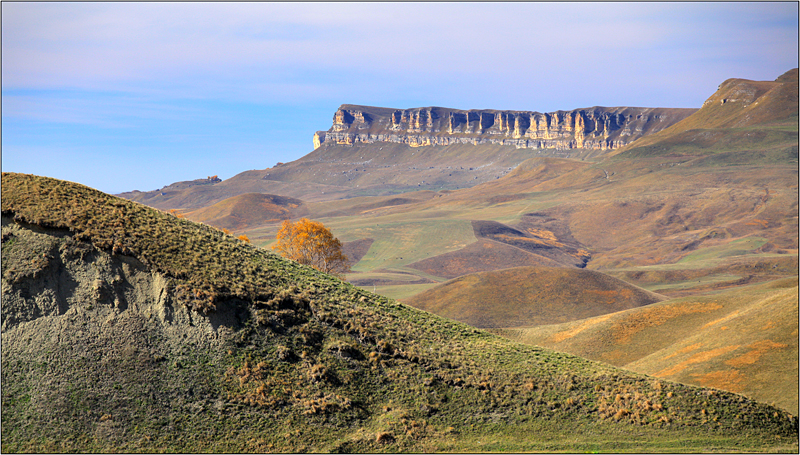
(99,46)
(145,66)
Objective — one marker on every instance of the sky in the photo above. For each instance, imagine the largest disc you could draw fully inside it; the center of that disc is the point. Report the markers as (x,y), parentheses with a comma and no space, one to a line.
(135,96)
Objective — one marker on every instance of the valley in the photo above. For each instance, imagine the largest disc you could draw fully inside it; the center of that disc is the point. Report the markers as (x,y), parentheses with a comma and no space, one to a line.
(126,328)
(707,205)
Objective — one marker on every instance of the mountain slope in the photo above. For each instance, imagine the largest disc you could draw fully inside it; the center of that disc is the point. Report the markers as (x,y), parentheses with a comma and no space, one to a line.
(127,329)
(728,116)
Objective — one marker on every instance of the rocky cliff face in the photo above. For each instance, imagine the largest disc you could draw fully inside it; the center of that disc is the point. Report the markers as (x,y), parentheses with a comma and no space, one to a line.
(596,128)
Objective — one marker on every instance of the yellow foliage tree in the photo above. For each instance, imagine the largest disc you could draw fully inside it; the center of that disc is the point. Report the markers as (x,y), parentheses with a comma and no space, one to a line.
(244,238)
(311,243)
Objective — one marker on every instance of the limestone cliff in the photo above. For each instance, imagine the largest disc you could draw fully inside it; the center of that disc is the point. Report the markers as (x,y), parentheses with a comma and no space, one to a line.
(595,128)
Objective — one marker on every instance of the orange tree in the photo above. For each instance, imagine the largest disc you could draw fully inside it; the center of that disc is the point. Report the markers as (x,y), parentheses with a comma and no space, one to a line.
(311,243)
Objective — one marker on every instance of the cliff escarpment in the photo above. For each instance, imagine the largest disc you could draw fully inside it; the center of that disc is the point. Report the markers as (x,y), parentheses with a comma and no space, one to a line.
(595,128)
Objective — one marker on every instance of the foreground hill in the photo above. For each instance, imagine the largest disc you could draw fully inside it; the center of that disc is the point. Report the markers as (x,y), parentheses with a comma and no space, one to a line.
(743,340)
(128,329)
(529,296)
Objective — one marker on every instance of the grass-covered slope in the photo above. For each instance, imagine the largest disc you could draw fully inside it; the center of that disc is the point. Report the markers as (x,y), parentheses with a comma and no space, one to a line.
(743,340)
(343,171)
(736,112)
(246,210)
(127,329)
(528,296)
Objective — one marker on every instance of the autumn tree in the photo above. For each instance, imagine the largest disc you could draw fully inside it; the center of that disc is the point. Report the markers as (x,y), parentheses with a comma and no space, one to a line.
(311,243)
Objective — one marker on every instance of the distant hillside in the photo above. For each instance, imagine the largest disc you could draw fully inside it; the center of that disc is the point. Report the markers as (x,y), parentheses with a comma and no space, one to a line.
(128,329)
(367,153)
(481,256)
(740,115)
(744,340)
(247,210)
(530,296)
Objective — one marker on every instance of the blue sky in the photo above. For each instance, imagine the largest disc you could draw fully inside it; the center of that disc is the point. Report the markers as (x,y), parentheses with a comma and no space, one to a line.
(124,96)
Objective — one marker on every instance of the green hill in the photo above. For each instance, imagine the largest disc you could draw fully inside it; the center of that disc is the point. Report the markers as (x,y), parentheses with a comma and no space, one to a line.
(127,329)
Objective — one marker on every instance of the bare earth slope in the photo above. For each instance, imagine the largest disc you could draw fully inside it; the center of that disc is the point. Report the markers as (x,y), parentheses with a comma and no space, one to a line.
(109,344)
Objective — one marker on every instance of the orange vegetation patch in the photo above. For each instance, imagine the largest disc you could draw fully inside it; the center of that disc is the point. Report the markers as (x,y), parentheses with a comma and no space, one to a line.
(542,233)
(722,319)
(684,350)
(567,334)
(757,349)
(697,358)
(757,222)
(731,380)
(655,316)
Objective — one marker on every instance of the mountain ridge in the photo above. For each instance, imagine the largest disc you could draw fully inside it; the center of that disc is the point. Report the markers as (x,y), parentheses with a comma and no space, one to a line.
(366,152)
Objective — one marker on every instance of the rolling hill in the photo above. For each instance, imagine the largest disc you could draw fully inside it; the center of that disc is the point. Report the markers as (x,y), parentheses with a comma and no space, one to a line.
(248,210)
(743,340)
(128,329)
(707,204)
(526,296)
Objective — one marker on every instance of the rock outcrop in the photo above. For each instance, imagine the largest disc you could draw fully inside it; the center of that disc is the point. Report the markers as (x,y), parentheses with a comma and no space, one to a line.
(595,128)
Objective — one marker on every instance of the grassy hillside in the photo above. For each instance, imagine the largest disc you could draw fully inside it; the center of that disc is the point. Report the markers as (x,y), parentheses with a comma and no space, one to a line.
(246,210)
(707,205)
(737,104)
(743,340)
(526,296)
(127,329)
(481,256)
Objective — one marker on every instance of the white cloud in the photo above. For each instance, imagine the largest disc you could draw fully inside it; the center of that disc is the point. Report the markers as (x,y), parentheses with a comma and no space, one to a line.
(244,49)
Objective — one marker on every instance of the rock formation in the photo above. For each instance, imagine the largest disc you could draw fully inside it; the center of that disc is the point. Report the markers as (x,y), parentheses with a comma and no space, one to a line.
(595,128)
